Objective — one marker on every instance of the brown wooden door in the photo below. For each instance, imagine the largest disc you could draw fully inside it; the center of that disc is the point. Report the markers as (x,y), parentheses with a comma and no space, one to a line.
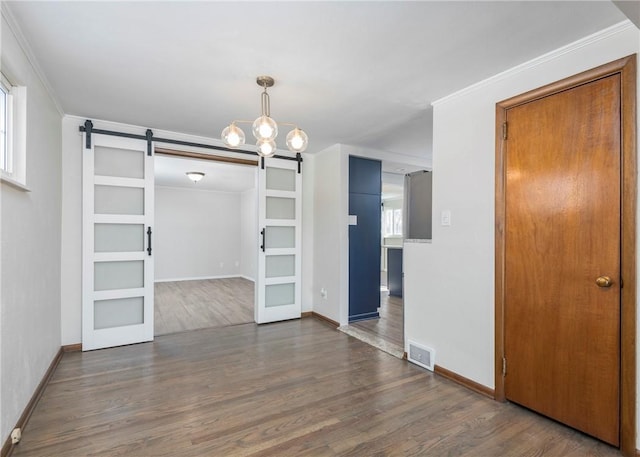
(562,232)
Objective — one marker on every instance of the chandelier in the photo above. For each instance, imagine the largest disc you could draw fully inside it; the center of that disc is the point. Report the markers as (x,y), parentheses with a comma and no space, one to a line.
(265,129)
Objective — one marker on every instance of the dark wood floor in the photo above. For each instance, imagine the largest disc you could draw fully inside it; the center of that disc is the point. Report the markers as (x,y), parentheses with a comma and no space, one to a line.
(206,303)
(389,326)
(295,388)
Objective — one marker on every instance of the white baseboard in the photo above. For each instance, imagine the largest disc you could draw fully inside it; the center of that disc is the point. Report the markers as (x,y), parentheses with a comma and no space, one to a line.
(247,278)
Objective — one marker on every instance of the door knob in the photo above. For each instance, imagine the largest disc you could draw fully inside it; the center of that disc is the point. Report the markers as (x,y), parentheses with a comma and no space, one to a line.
(604,281)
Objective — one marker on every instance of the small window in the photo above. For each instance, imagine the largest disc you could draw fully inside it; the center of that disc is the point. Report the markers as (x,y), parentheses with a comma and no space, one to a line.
(13,132)
(392,222)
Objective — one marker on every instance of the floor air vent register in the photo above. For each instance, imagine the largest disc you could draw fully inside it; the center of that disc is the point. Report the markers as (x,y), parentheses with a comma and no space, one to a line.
(421,355)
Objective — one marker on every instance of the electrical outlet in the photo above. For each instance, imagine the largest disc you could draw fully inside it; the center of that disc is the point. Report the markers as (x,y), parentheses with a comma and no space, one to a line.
(221,264)
(16,435)
(237,263)
(323,293)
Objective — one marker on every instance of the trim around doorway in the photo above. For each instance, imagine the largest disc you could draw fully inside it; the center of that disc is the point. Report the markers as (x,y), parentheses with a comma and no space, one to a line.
(201,156)
(626,68)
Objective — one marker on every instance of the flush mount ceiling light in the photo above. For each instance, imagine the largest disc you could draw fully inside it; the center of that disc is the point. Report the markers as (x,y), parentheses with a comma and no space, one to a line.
(195,176)
(264,128)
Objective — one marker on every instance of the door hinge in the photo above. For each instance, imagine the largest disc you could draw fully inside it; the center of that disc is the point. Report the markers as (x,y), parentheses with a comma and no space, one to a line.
(504,130)
(504,366)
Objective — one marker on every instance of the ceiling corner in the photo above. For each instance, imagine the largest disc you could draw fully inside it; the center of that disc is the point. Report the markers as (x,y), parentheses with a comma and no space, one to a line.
(631,9)
(15,28)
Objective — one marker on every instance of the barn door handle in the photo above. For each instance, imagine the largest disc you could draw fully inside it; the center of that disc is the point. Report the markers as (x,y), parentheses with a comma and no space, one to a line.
(604,281)
(262,245)
(149,240)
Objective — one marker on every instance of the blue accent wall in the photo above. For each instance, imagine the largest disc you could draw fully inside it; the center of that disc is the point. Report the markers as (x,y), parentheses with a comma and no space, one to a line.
(365,188)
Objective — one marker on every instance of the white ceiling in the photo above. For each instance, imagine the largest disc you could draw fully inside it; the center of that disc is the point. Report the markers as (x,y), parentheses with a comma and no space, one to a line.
(218,176)
(358,73)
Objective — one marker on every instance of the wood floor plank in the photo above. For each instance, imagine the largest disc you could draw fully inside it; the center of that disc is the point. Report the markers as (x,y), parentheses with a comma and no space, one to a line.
(295,388)
(389,326)
(207,303)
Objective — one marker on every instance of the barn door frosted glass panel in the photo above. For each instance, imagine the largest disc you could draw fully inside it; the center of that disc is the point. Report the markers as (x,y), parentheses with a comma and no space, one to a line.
(281,179)
(117,162)
(119,200)
(280,294)
(281,208)
(280,237)
(119,275)
(278,266)
(119,237)
(118,312)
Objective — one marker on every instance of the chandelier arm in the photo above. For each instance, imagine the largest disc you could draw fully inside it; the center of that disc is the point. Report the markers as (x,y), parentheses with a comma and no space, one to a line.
(246,121)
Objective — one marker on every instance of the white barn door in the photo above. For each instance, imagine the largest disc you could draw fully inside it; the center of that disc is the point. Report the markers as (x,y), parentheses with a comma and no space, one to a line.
(278,295)
(117,250)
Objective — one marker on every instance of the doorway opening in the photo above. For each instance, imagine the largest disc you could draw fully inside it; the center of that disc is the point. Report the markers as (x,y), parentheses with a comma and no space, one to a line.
(385,329)
(205,243)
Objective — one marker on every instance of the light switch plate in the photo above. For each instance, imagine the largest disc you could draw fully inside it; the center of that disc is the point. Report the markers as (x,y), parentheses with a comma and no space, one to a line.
(445,218)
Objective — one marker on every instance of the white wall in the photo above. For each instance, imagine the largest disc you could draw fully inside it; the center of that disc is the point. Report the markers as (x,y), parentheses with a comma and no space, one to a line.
(308,230)
(249,233)
(71,238)
(197,234)
(30,253)
(449,283)
(331,231)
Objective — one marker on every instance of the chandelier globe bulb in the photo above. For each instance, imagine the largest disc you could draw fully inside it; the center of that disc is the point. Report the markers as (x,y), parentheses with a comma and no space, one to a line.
(266,148)
(233,136)
(297,140)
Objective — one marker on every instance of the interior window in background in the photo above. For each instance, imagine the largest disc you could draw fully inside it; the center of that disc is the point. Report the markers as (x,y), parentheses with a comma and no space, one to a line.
(388,222)
(392,222)
(397,222)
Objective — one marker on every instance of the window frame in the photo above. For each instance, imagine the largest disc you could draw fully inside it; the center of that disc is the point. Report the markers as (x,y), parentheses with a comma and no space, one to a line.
(6,126)
(13,154)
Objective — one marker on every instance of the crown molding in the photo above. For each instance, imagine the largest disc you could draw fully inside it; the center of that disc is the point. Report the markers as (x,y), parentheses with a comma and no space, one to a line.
(556,53)
(8,15)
